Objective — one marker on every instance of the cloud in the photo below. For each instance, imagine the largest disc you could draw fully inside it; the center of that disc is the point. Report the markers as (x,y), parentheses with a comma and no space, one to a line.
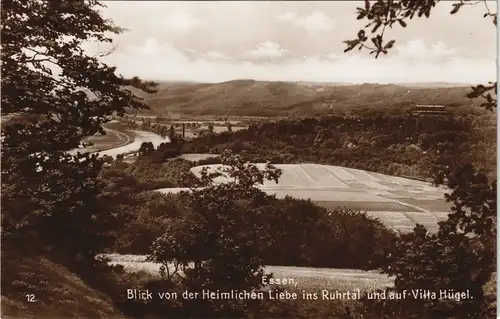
(162,61)
(182,22)
(333,56)
(267,49)
(316,22)
(313,22)
(150,52)
(417,50)
(287,16)
(217,55)
(235,27)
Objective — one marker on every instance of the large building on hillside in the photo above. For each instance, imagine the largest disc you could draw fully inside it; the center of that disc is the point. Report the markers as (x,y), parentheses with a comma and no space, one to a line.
(429,110)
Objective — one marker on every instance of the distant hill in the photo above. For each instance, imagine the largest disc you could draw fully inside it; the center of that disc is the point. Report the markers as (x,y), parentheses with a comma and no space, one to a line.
(266,98)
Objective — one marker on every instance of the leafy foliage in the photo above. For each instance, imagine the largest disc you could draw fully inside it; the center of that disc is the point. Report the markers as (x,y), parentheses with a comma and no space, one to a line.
(307,235)
(210,128)
(483,91)
(217,245)
(383,14)
(56,94)
(459,258)
(146,149)
(417,147)
(462,255)
(219,236)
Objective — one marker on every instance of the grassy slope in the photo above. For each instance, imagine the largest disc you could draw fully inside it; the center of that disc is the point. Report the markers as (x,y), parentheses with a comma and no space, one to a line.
(58,292)
(255,98)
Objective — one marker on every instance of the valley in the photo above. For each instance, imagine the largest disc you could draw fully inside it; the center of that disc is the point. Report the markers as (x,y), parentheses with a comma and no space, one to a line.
(165,159)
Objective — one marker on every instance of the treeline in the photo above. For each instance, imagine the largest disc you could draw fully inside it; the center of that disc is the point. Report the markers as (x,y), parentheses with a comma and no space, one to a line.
(425,148)
(172,130)
(417,147)
(301,233)
(180,228)
(226,233)
(149,173)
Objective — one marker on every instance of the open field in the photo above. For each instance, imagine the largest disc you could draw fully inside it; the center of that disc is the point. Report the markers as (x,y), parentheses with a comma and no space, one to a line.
(196,157)
(307,278)
(223,128)
(397,202)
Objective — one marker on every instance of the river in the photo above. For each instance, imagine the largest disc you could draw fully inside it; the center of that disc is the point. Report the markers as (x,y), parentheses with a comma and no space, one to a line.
(139,138)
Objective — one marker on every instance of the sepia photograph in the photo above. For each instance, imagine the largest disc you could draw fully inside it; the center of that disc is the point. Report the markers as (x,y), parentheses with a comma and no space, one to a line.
(248,159)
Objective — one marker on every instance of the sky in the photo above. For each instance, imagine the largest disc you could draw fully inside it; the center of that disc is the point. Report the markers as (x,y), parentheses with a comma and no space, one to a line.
(294,41)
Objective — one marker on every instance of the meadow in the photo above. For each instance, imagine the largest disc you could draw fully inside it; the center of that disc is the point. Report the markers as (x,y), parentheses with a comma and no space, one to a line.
(399,203)
(307,278)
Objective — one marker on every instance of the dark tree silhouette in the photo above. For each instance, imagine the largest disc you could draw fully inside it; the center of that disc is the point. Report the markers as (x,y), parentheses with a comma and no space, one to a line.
(383,14)
(217,245)
(462,256)
(146,149)
(56,94)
